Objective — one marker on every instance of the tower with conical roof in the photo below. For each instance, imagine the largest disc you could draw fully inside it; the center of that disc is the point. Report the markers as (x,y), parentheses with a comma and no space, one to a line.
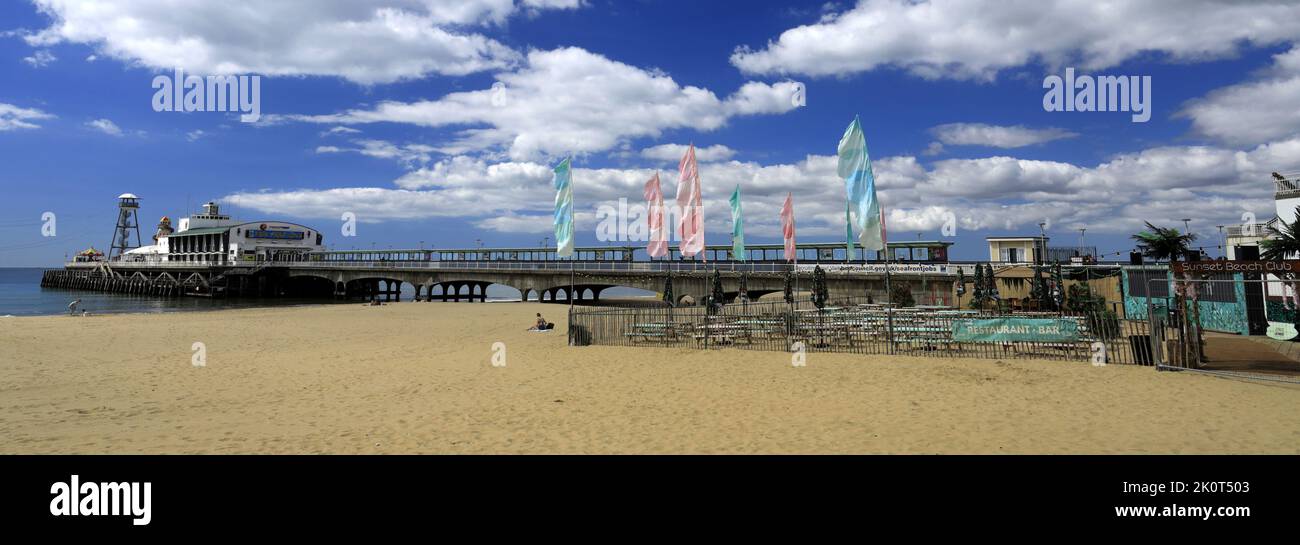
(128,223)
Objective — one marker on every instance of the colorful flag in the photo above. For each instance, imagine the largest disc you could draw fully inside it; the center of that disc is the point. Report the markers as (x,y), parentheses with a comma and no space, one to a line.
(563,210)
(787,226)
(855,168)
(690,228)
(654,196)
(737,227)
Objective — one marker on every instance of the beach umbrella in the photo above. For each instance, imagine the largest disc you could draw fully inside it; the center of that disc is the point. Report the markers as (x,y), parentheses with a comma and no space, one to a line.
(743,290)
(668,290)
(961,282)
(717,297)
(789,287)
(1058,291)
(819,292)
(1036,286)
(978,296)
(991,289)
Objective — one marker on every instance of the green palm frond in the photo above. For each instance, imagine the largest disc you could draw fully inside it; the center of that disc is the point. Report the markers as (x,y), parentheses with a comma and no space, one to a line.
(1163,243)
(1283,242)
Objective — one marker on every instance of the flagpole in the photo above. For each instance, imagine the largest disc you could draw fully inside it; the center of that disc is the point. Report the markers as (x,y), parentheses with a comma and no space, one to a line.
(889,293)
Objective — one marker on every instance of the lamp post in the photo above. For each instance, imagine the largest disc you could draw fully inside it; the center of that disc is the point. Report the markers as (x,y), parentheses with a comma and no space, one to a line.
(1042,243)
(1223,243)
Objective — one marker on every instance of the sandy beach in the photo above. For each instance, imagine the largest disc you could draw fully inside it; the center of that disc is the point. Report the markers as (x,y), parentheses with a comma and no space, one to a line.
(418,378)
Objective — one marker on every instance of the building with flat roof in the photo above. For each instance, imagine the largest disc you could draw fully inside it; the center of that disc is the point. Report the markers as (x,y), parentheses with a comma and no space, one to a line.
(1017,249)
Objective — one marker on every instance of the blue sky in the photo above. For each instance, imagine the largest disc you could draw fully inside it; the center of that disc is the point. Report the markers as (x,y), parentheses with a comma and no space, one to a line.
(381,109)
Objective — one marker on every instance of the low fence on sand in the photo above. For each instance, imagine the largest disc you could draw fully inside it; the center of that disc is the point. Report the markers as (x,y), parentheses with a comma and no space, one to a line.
(860,326)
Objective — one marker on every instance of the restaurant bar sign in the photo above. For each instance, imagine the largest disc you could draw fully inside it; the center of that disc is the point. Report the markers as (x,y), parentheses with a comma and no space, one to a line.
(1221,266)
(993,330)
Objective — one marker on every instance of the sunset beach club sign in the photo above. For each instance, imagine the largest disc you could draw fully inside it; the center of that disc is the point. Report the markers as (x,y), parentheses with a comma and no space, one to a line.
(992,330)
(1210,267)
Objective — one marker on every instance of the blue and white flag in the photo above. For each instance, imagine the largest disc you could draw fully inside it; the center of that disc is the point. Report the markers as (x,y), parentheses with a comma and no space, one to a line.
(563,210)
(855,168)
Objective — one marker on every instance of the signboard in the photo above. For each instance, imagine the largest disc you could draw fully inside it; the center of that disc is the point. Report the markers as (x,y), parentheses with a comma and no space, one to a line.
(1282,331)
(879,268)
(992,330)
(274,235)
(1209,267)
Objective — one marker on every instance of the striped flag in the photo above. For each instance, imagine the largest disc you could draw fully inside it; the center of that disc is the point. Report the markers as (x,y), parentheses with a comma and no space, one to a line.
(563,209)
(690,228)
(787,226)
(654,196)
(855,168)
(737,227)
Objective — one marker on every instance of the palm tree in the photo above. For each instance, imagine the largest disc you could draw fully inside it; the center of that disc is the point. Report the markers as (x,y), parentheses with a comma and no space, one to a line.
(1281,243)
(1167,243)
(1164,243)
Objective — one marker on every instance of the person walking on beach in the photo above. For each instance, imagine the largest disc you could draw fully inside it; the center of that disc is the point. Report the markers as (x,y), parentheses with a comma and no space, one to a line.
(72,307)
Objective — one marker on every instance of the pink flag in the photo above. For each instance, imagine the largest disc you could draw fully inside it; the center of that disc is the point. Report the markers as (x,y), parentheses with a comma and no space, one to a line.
(690,228)
(654,196)
(787,226)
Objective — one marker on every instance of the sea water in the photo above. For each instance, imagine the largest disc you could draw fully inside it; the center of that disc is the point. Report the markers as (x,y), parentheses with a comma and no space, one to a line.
(21,294)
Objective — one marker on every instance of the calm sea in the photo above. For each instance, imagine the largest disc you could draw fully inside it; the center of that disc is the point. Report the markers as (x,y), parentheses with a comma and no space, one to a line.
(21,294)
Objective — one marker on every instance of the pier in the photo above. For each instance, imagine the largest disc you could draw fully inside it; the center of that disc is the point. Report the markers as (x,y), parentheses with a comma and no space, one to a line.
(463,275)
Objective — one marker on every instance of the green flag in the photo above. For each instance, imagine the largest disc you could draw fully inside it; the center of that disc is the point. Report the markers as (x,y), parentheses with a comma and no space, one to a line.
(737,227)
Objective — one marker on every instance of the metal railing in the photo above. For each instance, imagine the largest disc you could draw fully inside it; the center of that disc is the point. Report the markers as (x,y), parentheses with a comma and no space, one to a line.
(1287,186)
(1247,230)
(557,266)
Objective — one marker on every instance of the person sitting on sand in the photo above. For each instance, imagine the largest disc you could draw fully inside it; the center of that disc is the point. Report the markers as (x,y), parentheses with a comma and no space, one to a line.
(542,324)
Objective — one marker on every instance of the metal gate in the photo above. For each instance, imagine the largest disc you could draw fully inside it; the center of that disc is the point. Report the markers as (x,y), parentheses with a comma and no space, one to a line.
(1233,327)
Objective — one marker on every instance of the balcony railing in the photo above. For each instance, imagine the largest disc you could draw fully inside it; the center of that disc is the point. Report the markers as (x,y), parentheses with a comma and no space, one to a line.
(1286,186)
(1247,230)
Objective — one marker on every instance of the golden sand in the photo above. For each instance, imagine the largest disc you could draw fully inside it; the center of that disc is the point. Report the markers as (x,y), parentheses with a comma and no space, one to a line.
(418,378)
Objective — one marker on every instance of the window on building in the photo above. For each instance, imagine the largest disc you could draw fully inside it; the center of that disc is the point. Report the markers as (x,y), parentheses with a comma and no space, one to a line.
(1148,283)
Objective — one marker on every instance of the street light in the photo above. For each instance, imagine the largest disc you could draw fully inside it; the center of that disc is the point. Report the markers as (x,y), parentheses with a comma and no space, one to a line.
(1187,228)
(1042,243)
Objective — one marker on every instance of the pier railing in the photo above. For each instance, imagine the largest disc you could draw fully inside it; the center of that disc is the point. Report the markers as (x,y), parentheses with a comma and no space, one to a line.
(555,266)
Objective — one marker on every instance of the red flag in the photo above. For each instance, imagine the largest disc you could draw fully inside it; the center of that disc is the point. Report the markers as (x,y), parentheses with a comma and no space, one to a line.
(654,197)
(690,228)
(787,226)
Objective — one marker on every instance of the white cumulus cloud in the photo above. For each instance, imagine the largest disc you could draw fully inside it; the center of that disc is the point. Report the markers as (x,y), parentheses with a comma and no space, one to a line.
(364,41)
(105,126)
(975,40)
(996,136)
(14,118)
(570,100)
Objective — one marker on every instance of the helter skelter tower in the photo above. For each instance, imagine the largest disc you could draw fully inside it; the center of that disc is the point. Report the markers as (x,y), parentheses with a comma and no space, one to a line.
(128,222)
